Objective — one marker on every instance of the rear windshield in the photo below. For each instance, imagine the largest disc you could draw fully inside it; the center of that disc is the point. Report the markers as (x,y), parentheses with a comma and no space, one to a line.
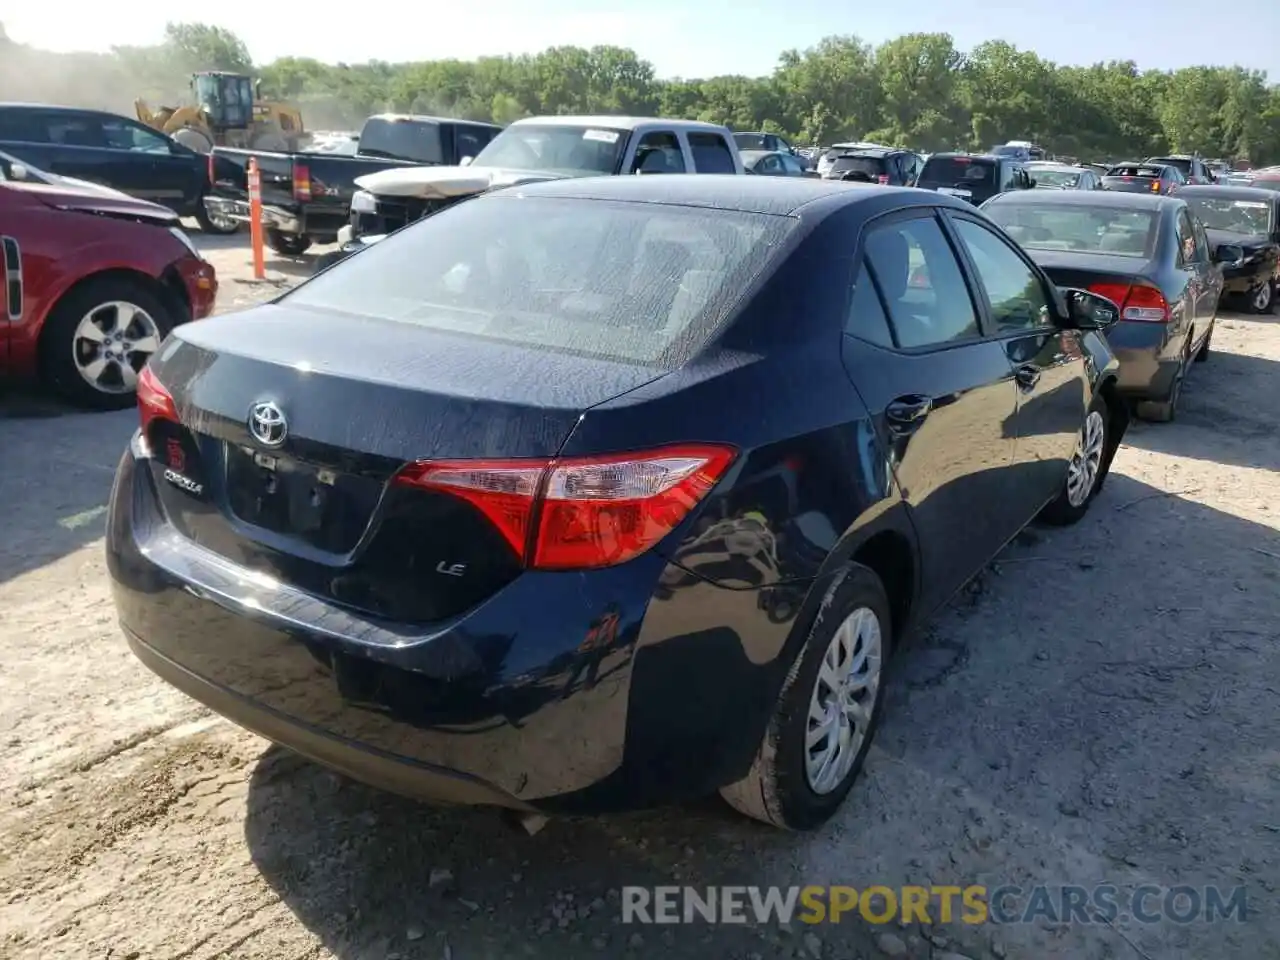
(1041,226)
(1238,216)
(1136,170)
(1183,165)
(1006,151)
(565,150)
(633,282)
(1055,178)
(957,171)
(416,140)
(869,167)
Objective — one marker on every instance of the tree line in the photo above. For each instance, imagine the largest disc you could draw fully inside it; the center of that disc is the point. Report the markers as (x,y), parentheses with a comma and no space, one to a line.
(918,90)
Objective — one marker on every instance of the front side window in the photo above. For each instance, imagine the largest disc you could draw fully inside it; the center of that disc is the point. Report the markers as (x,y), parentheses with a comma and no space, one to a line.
(551,148)
(630,282)
(1018,298)
(924,289)
(122,135)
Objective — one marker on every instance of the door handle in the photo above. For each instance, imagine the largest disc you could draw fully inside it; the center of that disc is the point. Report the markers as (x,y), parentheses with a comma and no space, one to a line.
(907,413)
(1027,375)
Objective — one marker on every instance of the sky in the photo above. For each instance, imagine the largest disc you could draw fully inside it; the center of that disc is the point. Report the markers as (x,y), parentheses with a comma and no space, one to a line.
(689,38)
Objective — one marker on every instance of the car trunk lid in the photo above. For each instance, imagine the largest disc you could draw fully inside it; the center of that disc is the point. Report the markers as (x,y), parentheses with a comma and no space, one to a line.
(289,466)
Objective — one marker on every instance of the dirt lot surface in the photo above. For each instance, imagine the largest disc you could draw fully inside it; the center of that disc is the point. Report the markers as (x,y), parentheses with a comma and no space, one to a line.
(1101,705)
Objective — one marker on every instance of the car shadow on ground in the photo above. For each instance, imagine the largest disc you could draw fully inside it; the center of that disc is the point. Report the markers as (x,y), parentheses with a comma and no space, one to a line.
(299,267)
(55,476)
(1221,417)
(1027,729)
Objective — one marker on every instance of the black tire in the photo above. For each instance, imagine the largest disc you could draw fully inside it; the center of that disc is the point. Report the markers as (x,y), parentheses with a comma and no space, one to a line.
(776,789)
(1203,353)
(1061,512)
(211,227)
(1262,300)
(288,244)
(57,339)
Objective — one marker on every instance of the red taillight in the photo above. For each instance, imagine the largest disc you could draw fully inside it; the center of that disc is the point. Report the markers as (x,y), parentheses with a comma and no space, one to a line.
(1155,186)
(1139,302)
(154,401)
(301,182)
(581,512)
(883,179)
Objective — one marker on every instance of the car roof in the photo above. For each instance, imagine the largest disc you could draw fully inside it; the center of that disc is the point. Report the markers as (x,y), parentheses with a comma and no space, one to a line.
(757,154)
(779,196)
(423,118)
(53,108)
(618,123)
(1088,198)
(1140,163)
(1050,165)
(946,155)
(1230,193)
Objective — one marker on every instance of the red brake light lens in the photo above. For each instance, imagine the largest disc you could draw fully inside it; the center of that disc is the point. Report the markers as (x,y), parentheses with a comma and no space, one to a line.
(581,512)
(883,179)
(301,182)
(1139,302)
(154,400)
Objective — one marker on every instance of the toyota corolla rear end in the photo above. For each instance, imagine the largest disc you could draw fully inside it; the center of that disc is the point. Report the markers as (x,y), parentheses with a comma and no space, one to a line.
(366,521)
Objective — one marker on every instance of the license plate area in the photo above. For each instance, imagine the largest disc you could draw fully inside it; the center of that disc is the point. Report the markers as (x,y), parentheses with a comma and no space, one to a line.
(323,507)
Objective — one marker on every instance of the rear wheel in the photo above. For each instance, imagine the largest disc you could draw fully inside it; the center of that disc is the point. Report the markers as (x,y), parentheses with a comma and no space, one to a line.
(217,226)
(194,139)
(1164,411)
(1263,298)
(1085,470)
(99,337)
(288,244)
(827,712)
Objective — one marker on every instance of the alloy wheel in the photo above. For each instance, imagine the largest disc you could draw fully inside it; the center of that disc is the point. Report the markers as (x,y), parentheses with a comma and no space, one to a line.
(843,700)
(1262,298)
(1082,471)
(112,343)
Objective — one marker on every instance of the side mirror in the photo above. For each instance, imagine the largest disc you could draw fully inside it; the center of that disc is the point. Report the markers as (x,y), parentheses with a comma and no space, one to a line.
(17,172)
(1031,183)
(1230,255)
(465,161)
(1088,311)
(13,278)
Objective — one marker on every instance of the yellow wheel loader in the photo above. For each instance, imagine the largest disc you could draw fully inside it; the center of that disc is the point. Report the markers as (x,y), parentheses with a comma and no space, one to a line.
(228,113)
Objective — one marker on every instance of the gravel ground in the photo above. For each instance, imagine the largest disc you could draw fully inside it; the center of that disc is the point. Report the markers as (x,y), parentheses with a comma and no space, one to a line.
(1099,706)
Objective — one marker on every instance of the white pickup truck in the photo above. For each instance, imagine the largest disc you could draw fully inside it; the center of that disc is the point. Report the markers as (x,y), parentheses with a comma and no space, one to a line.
(534,149)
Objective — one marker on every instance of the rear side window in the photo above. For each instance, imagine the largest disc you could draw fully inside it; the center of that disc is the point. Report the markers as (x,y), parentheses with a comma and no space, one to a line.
(23,126)
(1136,170)
(471,140)
(633,282)
(924,290)
(658,153)
(957,172)
(711,154)
(867,319)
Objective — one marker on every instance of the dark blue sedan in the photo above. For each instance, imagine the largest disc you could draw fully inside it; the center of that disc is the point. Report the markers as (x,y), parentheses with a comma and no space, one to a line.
(602,493)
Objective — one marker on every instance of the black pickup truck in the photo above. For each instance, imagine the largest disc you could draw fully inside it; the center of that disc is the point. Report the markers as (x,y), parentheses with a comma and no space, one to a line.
(306,197)
(111,151)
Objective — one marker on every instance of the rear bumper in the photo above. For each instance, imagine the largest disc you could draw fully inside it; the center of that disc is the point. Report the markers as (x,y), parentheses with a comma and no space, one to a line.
(505,705)
(1148,359)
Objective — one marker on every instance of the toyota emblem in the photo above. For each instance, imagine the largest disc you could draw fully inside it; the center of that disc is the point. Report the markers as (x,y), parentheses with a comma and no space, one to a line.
(267,424)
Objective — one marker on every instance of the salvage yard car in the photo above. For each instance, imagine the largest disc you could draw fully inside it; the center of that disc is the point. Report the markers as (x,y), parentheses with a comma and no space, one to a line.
(1148,253)
(1249,218)
(455,563)
(96,280)
(1061,176)
(103,148)
(306,196)
(973,177)
(1131,177)
(544,148)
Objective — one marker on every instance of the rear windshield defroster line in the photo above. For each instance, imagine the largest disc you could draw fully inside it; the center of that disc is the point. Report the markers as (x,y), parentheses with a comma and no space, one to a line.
(631,282)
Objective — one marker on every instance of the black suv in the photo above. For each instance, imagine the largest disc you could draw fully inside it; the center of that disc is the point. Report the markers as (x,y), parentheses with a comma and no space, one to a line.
(1193,169)
(892,167)
(973,177)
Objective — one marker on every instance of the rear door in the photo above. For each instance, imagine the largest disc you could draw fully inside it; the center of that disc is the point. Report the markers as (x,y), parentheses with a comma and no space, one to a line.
(1047,362)
(942,395)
